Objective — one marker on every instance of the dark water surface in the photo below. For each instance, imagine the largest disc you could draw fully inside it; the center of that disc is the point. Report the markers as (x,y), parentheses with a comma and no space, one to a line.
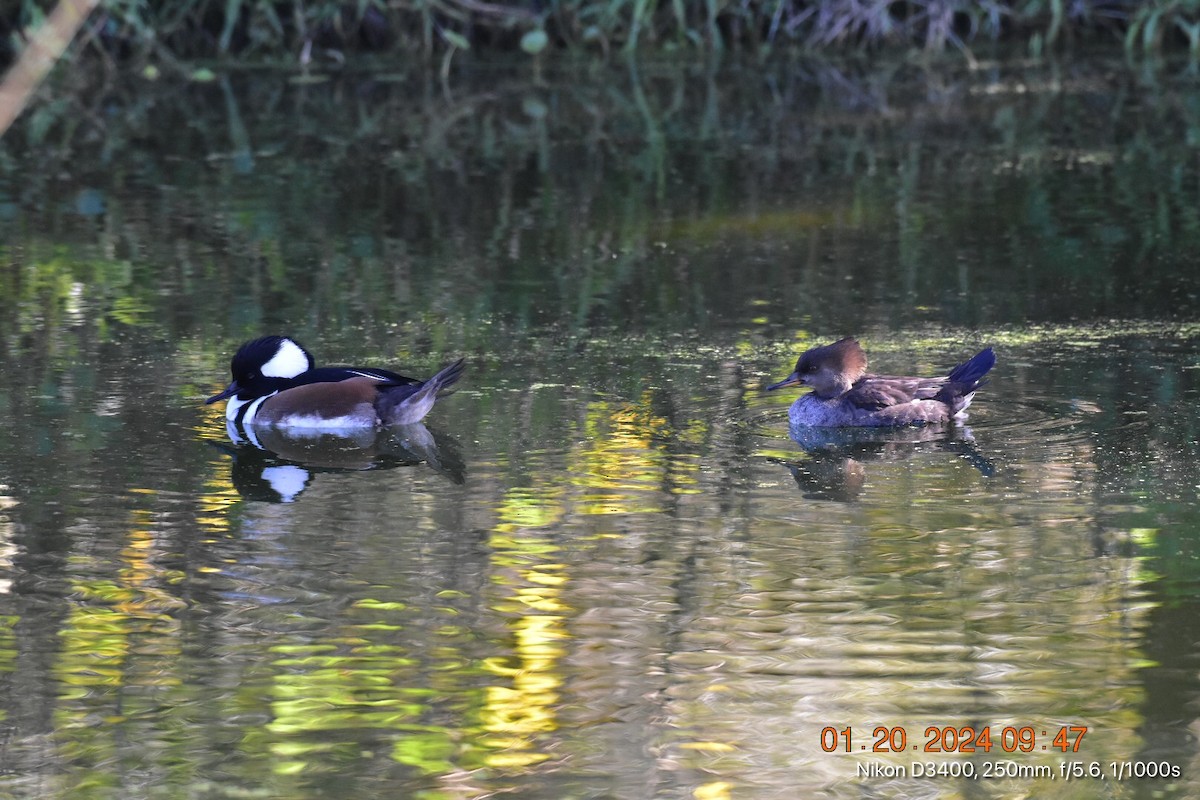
(604,569)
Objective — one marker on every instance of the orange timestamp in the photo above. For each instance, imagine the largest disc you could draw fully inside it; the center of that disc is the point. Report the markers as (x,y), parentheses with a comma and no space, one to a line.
(950,739)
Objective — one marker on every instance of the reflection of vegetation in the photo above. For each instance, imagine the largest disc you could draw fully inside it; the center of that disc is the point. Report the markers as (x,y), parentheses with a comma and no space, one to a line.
(527,205)
(57,291)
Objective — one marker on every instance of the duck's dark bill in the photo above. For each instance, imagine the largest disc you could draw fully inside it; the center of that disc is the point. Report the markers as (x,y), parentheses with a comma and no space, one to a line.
(230,391)
(790,380)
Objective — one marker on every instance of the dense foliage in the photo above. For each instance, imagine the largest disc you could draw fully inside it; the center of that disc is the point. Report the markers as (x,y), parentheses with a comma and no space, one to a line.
(330,28)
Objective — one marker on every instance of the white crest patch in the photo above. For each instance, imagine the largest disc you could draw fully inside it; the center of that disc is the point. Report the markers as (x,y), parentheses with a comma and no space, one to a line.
(289,361)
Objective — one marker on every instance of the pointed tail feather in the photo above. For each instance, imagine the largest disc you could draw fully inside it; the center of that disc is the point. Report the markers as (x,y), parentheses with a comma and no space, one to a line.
(973,369)
(963,380)
(404,405)
(447,376)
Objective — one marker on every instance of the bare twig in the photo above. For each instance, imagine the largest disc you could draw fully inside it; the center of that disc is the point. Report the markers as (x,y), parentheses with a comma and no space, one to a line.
(45,48)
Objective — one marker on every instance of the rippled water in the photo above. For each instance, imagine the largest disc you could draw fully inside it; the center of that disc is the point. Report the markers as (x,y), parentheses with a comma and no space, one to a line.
(604,567)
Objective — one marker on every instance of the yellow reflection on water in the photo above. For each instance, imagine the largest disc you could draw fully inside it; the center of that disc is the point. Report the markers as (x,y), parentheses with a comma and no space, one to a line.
(120,632)
(8,647)
(141,596)
(623,466)
(362,689)
(716,790)
(219,493)
(517,713)
(216,499)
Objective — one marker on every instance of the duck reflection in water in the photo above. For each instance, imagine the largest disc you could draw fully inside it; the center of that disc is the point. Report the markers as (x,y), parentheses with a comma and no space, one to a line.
(274,465)
(836,468)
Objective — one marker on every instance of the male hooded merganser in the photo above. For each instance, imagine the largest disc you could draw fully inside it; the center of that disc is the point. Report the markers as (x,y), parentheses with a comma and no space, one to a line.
(275,383)
(845,395)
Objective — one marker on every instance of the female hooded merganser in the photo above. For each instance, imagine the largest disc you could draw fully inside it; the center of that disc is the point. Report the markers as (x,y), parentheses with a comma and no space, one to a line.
(845,395)
(275,383)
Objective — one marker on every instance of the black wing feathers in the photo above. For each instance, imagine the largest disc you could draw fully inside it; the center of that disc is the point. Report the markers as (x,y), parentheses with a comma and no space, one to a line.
(327,374)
